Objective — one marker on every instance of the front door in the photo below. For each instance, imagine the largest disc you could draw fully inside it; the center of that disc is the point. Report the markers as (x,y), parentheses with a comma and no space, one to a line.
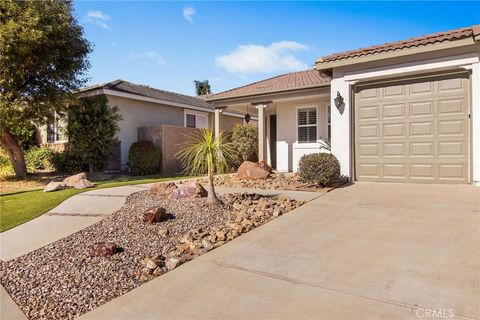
(273,140)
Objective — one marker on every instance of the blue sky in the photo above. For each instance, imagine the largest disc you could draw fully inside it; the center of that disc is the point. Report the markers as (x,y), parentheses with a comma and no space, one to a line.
(167,45)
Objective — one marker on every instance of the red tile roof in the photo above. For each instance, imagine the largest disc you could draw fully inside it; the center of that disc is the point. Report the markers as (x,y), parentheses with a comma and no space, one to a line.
(284,82)
(457,34)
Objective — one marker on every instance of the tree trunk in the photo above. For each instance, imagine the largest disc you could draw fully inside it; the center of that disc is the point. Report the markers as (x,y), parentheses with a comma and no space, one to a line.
(15,153)
(91,169)
(212,196)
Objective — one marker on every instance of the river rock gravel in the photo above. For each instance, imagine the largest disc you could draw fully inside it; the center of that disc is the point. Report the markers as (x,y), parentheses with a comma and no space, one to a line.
(63,280)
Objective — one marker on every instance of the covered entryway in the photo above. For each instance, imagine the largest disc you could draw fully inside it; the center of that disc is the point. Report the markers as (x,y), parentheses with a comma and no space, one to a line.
(413,130)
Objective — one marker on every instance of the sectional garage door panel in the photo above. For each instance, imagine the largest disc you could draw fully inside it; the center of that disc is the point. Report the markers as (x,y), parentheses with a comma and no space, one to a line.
(413,130)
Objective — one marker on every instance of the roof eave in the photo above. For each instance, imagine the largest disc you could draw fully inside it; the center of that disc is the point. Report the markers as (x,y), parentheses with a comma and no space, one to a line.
(269,92)
(319,65)
(134,96)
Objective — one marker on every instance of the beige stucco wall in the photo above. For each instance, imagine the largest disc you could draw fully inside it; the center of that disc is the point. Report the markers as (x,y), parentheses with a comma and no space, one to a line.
(136,114)
(228,122)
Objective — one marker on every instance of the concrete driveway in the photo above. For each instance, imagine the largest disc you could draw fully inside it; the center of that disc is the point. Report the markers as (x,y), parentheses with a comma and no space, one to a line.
(368,251)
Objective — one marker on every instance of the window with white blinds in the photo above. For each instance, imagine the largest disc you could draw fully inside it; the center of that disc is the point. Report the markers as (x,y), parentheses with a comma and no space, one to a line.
(307,125)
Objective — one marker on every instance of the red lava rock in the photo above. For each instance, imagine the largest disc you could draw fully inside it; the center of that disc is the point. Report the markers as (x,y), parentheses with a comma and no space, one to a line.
(253,171)
(163,188)
(189,190)
(104,249)
(153,214)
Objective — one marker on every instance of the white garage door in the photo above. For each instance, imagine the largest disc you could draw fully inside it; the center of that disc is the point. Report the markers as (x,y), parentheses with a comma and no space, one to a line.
(413,130)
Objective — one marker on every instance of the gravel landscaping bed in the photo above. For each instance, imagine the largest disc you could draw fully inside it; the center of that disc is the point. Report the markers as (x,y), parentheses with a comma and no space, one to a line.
(277,181)
(63,280)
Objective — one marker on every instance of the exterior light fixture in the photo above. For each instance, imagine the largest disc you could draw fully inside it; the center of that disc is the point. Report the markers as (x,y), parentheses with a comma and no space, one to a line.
(338,100)
(247,116)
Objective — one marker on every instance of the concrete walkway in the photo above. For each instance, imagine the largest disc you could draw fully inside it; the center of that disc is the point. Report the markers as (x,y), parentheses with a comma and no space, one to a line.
(83,210)
(8,308)
(72,215)
(369,251)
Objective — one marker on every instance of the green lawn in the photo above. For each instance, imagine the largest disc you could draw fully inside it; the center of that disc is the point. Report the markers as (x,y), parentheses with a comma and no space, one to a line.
(19,207)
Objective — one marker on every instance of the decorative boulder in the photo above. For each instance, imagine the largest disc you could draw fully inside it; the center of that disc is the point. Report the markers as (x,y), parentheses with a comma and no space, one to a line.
(82,184)
(189,190)
(252,171)
(265,166)
(162,188)
(72,180)
(54,186)
(153,214)
(104,249)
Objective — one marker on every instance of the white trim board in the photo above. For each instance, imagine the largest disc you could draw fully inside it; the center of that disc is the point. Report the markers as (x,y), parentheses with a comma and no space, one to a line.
(415,67)
(238,115)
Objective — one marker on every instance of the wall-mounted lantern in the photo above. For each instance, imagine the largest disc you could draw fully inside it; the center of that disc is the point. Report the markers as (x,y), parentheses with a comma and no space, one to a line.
(247,116)
(338,100)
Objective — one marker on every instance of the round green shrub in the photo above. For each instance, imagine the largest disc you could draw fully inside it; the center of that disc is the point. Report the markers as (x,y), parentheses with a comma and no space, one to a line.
(39,158)
(319,168)
(143,158)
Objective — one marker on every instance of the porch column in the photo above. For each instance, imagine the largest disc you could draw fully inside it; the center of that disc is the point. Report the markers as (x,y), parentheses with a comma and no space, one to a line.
(217,121)
(261,129)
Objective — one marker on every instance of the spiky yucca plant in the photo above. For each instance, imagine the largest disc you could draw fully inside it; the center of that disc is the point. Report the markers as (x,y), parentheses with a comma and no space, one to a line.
(205,153)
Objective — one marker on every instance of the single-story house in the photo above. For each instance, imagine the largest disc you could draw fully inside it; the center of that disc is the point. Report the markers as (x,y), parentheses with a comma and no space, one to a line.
(406,111)
(143,106)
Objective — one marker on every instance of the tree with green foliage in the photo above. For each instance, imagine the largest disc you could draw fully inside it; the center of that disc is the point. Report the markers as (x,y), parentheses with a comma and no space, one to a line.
(202,87)
(43,57)
(205,153)
(245,140)
(92,127)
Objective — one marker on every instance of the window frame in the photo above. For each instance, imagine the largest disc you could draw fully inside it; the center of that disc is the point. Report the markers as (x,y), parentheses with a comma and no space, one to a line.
(56,118)
(297,126)
(195,114)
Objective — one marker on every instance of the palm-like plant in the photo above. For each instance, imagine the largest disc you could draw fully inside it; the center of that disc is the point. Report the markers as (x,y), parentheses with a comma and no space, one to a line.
(205,153)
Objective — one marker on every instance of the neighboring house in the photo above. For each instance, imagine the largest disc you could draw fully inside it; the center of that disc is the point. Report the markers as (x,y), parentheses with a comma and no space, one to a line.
(406,111)
(143,106)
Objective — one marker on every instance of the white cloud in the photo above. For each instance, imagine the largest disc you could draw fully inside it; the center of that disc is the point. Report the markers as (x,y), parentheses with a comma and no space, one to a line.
(149,55)
(252,58)
(98,18)
(188,13)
